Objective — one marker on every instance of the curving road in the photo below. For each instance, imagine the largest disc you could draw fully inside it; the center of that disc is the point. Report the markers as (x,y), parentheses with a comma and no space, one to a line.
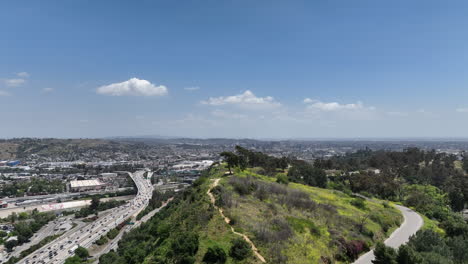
(411,224)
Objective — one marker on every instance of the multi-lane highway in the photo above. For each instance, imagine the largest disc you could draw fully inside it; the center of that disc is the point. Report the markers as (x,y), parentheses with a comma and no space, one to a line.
(62,248)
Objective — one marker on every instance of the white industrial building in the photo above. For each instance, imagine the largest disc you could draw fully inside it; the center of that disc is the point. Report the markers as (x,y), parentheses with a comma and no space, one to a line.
(85,185)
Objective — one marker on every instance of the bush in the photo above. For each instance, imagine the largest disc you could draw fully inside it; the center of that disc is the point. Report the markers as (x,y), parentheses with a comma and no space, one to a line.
(384,254)
(261,193)
(101,241)
(278,230)
(112,233)
(282,179)
(359,203)
(215,254)
(240,249)
(243,186)
(11,244)
(82,252)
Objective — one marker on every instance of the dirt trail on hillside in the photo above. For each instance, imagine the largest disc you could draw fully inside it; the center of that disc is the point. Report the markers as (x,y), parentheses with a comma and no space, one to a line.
(227,220)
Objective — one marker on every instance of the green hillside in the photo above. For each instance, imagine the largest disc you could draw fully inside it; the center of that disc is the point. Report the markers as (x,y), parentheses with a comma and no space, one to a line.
(290,223)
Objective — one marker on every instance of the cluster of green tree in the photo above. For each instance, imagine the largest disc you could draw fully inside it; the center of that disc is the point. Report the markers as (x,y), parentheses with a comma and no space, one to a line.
(25,228)
(397,168)
(112,233)
(305,173)
(239,251)
(32,187)
(97,206)
(425,247)
(300,171)
(156,201)
(244,158)
(102,240)
(109,235)
(81,256)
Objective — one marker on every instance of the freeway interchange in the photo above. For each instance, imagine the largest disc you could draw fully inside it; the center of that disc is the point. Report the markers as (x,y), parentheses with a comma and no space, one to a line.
(85,235)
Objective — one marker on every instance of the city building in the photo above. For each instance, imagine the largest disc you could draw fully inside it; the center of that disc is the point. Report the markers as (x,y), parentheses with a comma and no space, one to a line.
(85,185)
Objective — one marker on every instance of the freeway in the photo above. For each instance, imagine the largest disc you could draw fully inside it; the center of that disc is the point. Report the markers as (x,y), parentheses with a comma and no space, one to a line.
(114,243)
(412,223)
(62,248)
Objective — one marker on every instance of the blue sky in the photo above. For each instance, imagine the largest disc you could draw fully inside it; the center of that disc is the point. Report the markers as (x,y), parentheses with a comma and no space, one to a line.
(261,69)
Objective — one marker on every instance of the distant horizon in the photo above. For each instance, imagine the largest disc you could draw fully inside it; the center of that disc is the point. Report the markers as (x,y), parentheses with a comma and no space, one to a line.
(377,139)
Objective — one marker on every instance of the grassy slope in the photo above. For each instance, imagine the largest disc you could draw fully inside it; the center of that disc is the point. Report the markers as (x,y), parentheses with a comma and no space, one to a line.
(314,233)
(306,246)
(217,232)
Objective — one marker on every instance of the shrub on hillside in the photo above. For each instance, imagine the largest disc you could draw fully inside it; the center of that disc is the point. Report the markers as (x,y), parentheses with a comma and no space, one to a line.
(261,193)
(276,231)
(215,255)
(282,179)
(350,250)
(240,249)
(384,254)
(359,203)
(243,186)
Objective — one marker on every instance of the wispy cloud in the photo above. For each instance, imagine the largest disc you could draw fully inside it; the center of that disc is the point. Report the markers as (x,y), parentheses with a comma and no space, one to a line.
(244,100)
(462,110)
(47,90)
(4,93)
(227,115)
(133,87)
(334,106)
(14,82)
(191,89)
(22,74)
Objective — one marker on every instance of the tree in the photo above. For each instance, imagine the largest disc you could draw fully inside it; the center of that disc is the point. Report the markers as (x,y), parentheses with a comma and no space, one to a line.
(303,172)
(215,255)
(282,178)
(459,248)
(95,201)
(82,252)
(231,159)
(457,200)
(407,255)
(73,260)
(465,164)
(240,249)
(384,254)
(11,244)
(184,247)
(111,258)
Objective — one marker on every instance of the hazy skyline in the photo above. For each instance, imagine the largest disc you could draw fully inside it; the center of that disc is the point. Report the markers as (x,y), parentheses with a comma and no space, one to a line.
(260,69)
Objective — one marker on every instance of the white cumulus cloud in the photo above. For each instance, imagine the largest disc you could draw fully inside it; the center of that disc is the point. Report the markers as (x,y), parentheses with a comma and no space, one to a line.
(334,106)
(134,87)
(245,100)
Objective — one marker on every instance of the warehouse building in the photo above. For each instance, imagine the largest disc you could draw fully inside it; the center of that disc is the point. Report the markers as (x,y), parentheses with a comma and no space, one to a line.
(85,185)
